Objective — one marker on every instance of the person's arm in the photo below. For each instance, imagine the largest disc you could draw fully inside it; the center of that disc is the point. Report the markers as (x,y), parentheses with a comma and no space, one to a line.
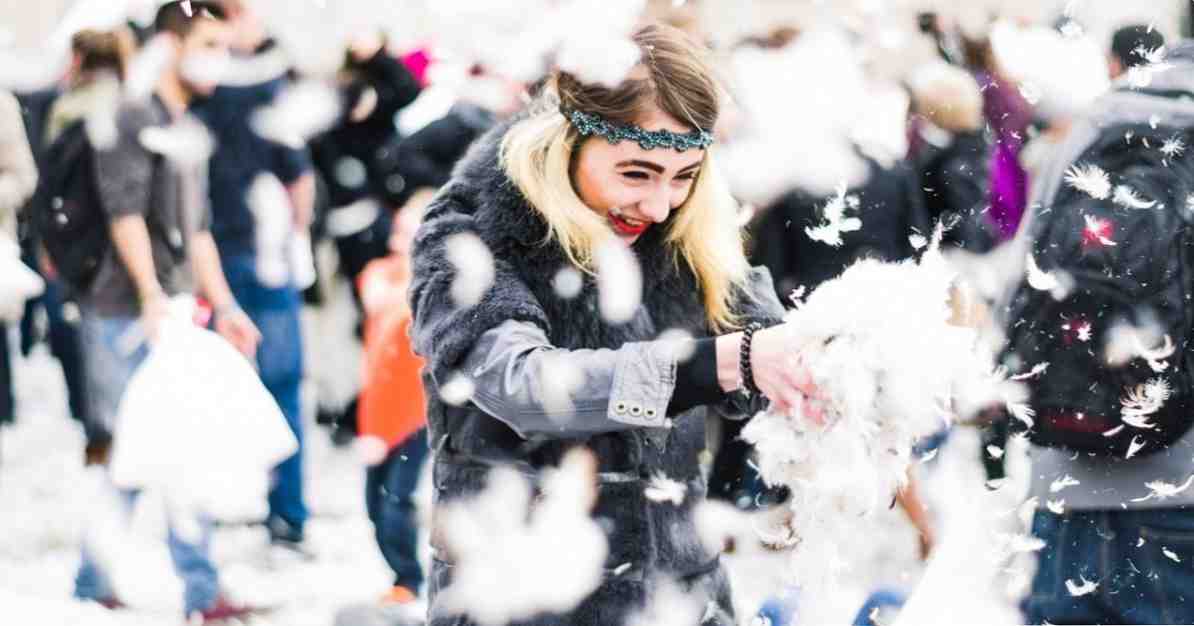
(302,198)
(231,321)
(918,514)
(130,239)
(18,171)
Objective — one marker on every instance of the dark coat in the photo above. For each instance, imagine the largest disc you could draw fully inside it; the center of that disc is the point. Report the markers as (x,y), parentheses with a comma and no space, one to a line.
(956,181)
(654,538)
(891,205)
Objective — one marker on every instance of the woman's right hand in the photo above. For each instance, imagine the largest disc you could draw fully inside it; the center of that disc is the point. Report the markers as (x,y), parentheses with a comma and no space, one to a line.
(782,375)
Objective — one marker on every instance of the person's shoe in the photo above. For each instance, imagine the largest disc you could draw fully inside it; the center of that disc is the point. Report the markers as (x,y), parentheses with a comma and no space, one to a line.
(224,610)
(112,603)
(289,537)
(399,595)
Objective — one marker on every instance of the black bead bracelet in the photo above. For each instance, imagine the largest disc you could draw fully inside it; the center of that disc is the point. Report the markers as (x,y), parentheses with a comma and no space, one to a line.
(744,370)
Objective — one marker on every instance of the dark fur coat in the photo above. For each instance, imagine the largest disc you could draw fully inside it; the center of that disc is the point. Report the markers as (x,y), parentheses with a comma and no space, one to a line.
(656,539)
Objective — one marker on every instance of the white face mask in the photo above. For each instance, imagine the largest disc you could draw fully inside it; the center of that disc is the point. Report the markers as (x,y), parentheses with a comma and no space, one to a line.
(205,69)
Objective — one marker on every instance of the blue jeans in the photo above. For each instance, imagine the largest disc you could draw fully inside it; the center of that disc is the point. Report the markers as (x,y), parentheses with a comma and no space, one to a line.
(389,498)
(109,370)
(64,345)
(880,599)
(276,312)
(1137,585)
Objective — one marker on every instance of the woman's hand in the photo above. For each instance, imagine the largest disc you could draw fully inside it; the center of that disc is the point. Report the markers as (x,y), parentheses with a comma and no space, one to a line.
(782,376)
(778,371)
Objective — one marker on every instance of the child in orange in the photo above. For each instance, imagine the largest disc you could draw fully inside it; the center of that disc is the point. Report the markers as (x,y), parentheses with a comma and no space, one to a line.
(392,410)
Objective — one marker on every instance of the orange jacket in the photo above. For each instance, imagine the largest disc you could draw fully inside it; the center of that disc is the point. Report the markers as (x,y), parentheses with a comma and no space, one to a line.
(392,406)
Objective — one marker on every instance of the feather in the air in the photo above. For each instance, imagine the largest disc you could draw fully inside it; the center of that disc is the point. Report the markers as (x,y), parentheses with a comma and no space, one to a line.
(1037,370)
(1064,482)
(1171,555)
(1135,446)
(1127,197)
(1056,507)
(1144,400)
(835,221)
(664,489)
(1161,490)
(1097,231)
(1089,179)
(1081,588)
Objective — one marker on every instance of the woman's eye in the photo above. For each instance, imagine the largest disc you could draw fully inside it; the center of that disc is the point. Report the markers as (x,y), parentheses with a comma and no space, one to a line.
(636,175)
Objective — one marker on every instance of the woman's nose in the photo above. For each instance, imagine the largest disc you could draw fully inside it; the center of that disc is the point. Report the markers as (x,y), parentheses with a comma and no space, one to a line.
(656,206)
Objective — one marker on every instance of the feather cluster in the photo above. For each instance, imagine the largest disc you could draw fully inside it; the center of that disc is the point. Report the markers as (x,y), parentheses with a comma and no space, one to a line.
(880,346)
(559,547)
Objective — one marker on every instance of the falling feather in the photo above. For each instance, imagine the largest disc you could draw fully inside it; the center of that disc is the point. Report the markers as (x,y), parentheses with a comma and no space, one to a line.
(1173,147)
(664,489)
(1038,279)
(1081,588)
(1089,179)
(1171,555)
(1127,197)
(1097,230)
(474,268)
(1056,507)
(1161,490)
(995,452)
(835,222)
(1022,412)
(1135,446)
(619,282)
(1037,370)
(561,548)
(1064,482)
(1144,400)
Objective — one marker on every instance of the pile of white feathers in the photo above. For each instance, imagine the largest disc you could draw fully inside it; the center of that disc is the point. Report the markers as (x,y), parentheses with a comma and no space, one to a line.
(882,344)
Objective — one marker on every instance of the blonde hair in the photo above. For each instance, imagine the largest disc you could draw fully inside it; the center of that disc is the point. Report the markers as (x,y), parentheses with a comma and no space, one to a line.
(537,154)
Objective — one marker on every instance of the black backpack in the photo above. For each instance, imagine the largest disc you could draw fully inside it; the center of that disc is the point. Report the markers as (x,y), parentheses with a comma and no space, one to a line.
(66,215)
(1146,278)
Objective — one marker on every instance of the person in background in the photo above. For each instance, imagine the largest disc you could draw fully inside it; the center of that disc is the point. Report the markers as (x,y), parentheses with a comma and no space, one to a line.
(1130,47)
(1008,115)
(392,410)
(358,158)
(160,243)
(358,161)
(94,84)
(262,198)
(952,152)
(1111,527)
(18,181)
(97,66)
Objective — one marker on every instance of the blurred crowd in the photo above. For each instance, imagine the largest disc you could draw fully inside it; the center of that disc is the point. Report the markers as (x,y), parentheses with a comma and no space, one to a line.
(188,156)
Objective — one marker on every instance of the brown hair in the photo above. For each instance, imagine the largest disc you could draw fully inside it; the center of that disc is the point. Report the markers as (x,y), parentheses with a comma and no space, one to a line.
(674,75)
(99,51)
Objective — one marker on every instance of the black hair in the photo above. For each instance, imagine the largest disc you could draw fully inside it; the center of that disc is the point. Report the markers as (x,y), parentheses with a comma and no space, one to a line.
(1130,43)
(173,16)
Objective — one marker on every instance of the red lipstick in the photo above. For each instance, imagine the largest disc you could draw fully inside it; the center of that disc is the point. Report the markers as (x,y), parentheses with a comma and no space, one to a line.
(625,229)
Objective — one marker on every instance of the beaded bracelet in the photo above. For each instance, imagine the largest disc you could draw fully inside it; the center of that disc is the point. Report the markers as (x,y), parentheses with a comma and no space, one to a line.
(744,370)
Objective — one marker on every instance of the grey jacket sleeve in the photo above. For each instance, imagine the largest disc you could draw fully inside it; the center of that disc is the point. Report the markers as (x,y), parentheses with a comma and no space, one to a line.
(537,389)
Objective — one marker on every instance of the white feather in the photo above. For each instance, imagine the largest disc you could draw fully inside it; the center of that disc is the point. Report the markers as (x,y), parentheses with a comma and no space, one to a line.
(619,282)
(1135,447)
(1127,197)
(1171,555)
(1081,588)
(1089,179)
(474,267)
(1064,482)
(1056,507)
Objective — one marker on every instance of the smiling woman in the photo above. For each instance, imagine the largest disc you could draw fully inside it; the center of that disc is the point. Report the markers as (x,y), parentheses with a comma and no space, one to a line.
(591,182)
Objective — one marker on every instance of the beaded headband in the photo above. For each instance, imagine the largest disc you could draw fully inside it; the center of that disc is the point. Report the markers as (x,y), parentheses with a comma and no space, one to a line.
(589,124)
